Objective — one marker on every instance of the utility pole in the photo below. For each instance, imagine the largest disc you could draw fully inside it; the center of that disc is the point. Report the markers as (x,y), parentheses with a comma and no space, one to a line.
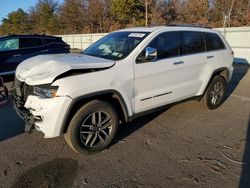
(146,13)
(224,22)
(229,13)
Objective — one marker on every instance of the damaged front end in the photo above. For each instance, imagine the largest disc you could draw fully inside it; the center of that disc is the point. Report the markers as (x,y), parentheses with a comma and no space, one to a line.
(20,92)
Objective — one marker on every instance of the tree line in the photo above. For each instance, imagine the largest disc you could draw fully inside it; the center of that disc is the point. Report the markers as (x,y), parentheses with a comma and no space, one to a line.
(95,16)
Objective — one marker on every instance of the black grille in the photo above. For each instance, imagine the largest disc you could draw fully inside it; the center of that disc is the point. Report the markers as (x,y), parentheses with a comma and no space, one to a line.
(22,91)
(27,90)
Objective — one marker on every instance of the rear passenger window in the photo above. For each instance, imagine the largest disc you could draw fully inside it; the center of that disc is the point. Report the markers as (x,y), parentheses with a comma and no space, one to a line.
(166,45)
(29,42)
(213,42)
(52,40)
(191,42)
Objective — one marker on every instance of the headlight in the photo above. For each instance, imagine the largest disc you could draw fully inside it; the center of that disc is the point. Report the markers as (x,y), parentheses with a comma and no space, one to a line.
(45,91)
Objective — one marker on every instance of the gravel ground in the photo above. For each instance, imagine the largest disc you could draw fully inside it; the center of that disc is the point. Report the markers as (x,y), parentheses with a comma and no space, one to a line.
(183,146)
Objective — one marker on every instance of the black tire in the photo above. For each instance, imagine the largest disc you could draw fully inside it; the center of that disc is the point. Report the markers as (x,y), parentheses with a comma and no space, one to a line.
(4,94)
(83,126)
(215,93)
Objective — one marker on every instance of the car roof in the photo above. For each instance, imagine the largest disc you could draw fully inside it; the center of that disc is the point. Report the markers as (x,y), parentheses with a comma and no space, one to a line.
(29,36)
(144,29)
(169,28)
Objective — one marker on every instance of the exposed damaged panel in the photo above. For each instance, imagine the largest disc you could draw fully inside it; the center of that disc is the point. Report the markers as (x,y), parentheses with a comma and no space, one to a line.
(77,72)
(45,69)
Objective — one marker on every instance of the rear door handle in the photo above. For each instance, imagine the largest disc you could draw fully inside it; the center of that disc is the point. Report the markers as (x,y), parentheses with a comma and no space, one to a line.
(209,57)
(16,55)
(178,63)
(44,50)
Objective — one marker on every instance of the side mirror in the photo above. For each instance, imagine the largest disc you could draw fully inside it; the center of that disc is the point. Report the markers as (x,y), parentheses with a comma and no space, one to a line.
(151,54)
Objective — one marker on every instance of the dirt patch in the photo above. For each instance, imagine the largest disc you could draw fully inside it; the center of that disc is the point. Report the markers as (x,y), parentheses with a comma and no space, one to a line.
(56,173)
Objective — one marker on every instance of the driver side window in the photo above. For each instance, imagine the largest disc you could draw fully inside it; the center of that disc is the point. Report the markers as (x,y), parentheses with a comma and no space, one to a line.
(166,45)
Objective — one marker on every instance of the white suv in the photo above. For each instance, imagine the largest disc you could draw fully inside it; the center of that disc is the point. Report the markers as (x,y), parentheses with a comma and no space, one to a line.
(123,75)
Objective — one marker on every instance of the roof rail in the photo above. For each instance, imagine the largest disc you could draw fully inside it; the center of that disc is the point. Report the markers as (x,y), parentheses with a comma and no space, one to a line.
(189,25)
(29,34)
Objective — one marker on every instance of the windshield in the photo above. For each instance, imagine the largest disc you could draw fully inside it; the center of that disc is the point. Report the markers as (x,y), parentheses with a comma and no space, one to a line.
(116,46)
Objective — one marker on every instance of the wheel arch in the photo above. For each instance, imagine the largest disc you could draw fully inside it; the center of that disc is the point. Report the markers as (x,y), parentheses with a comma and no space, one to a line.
(112,96)
(223,72)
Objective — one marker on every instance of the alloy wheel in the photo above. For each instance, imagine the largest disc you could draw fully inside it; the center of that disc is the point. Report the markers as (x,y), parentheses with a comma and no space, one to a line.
(216,93)
(95,129)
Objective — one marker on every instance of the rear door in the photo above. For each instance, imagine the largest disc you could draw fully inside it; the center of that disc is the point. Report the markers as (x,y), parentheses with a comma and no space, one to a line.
(217,51)
(195,60)
(30,46)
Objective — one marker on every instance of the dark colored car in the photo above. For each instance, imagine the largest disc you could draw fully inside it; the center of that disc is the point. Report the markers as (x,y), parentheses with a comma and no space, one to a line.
(16,48)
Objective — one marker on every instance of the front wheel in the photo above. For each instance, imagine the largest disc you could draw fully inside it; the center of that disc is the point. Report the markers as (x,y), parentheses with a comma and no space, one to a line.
(215,93)
(92,128)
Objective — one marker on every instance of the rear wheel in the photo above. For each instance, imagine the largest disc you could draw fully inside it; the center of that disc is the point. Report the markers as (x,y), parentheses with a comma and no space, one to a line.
(215,93)
(92,128)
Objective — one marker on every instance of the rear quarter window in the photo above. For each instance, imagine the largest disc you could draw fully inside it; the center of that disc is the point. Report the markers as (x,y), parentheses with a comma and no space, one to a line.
(214,42)
(191,42)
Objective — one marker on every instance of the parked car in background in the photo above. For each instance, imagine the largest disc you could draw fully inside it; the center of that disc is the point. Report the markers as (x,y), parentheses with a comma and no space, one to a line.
(16,48)
(125,74)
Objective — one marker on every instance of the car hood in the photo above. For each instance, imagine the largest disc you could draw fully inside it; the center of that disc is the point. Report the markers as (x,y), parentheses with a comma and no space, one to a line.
(43,69)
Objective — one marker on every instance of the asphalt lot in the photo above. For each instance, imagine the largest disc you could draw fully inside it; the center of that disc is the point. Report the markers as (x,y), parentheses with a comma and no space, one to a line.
(183,146)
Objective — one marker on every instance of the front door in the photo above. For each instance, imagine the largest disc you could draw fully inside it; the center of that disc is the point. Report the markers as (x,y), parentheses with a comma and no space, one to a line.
(9,51)
(173,76)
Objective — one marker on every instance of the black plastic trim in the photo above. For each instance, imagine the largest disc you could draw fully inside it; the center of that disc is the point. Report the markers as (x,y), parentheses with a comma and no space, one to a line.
(159,95)
(114,93)
(163,107)
(188,25)
(219,70)
(214,73)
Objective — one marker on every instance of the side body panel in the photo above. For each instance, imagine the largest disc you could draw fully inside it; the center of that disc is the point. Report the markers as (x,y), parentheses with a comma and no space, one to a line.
(118,78)
(162,82)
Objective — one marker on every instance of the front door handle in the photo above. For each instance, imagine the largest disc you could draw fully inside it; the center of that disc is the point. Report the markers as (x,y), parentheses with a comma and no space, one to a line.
(44,51)
(178,63)
(16,55)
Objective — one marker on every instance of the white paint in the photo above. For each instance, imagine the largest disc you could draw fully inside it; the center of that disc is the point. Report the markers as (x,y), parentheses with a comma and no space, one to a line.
(162,81)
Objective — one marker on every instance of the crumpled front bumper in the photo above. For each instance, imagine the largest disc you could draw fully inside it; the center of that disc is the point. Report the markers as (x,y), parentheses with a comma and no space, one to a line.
(26,116)
(45,115)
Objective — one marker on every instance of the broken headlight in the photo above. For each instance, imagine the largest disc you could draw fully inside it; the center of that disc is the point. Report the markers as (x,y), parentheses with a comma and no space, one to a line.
(45,91)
